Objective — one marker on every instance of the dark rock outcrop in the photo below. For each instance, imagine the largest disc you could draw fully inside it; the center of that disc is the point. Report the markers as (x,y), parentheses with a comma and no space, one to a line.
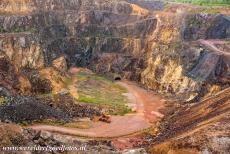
(221,28)
(212,67)
(9,82)
(206,26)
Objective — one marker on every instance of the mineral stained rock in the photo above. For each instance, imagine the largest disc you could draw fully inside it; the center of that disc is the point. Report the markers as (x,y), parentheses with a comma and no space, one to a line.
(174,50)
(121,37)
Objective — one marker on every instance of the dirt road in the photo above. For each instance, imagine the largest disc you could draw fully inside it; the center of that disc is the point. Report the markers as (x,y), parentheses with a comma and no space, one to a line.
(146,104)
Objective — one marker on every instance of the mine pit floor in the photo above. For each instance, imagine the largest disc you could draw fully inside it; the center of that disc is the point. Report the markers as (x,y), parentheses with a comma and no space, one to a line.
(145,103)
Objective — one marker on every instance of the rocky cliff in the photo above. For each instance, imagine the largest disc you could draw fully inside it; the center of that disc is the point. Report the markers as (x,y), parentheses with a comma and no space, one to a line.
(158,50)
(182,67)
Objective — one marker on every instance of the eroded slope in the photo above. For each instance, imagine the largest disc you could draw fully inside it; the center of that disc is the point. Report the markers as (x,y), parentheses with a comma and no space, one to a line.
(200,127)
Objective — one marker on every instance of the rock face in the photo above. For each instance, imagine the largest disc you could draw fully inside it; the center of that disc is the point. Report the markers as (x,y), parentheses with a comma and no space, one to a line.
(22,50)
(175,66)
(161,50)
(120,37)
(9,83)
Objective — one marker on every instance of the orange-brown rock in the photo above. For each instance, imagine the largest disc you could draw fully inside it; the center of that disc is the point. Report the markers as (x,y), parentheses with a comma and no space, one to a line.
(60,64)
(197,128)
(24,85)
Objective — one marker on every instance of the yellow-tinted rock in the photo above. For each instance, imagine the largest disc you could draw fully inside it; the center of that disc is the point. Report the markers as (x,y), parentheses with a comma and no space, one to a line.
(25,86)
(60,64)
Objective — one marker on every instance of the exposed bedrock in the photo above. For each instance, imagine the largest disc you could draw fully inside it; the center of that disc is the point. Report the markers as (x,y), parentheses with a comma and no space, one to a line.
(22,49)
(182,67)
(117,37)
(180,54)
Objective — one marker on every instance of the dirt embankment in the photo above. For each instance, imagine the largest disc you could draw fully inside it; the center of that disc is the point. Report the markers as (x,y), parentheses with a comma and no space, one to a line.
(199,127)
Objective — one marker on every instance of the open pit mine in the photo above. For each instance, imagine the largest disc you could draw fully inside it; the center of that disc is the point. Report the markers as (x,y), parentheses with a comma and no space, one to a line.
(114,77)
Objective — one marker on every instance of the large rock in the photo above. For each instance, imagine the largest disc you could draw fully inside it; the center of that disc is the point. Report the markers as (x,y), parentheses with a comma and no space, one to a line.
(38,83)
(220,29)
(211,66)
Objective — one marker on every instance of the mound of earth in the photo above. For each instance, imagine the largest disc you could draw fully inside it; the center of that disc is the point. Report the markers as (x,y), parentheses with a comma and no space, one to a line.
(68,105)
(60,108)
(20,109)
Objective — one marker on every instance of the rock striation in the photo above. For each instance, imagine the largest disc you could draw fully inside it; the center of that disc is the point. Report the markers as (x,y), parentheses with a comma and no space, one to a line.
(176,52)
(117,37)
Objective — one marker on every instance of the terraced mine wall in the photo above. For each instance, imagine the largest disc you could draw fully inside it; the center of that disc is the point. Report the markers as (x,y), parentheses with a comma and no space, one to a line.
(116,37)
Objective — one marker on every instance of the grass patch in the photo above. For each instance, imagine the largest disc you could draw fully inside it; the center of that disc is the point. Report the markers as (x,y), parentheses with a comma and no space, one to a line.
(18,30)
(207,2)
(98,90)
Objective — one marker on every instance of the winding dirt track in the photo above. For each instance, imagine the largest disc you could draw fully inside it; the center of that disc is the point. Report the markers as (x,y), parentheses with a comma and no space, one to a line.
(146,104)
